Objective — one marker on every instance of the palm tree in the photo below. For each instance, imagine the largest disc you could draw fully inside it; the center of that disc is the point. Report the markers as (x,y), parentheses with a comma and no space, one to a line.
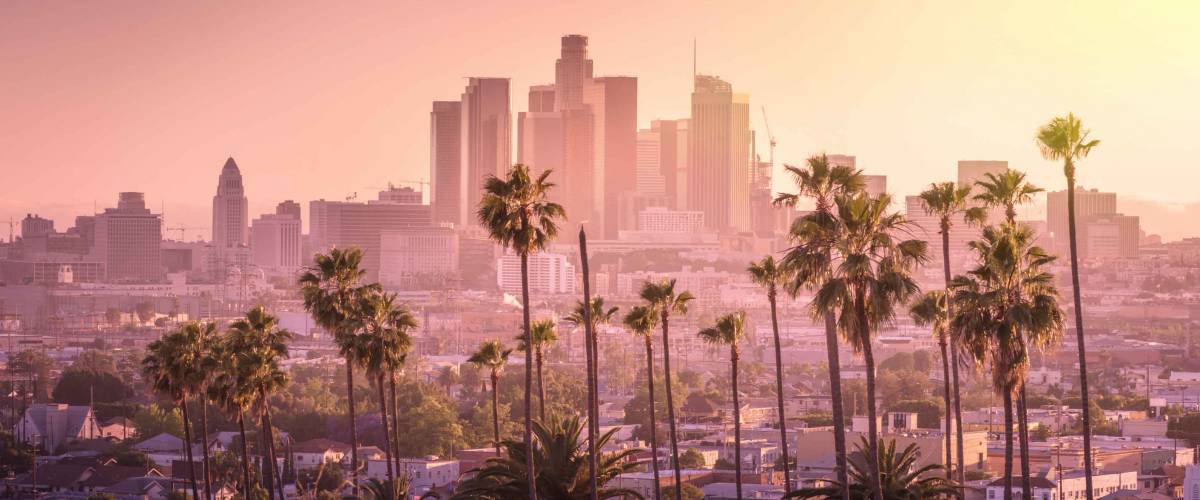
(1064,138)
(948,203)
(822,182)
(517,214)
(768,275)
(232,395)
(728,331)
(562,467)
(1007,190)
(930,309)
(543,335)
(642,321)
(590,319)
(492,356)
(872,277)
(173,367)
(1008,305)
(261,347)
(386,344)
(662,299)
(902,479)
(330,287)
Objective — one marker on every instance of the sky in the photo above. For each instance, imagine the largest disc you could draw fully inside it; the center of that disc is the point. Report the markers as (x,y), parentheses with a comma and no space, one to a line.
(324,99)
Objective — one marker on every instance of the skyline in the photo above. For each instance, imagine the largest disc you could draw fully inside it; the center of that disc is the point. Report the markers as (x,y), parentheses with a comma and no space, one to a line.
(353,100)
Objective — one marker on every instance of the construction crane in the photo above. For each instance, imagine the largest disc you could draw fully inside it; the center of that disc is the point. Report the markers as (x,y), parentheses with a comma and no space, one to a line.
(770,136)
(183,231)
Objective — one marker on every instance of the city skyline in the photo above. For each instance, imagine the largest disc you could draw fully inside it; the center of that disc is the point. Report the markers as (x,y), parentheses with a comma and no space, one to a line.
(336,114)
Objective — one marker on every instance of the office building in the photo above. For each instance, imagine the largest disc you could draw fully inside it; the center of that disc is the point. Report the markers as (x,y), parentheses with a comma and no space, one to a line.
(410,255)
(33,226)
(572,70)
(875,185)
(719,155)
(1088,202)
(289,208)
(1109,236)
(275,240)
(663,220)
(549,273)
(612,102)
(486,139)
(540,135)
(350,224)
(650,179)
(230,216)
(445,161)
(128,240)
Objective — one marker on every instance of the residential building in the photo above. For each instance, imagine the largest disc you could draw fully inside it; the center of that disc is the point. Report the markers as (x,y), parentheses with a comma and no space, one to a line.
(51,425)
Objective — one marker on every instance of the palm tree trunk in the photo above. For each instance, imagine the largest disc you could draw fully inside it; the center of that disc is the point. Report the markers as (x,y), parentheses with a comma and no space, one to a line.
(496,411)
(241,418)
(204,449)
(835,402)
(949,413)
(671,404)
(593,385)
(958,427)
(653,421)
(1008,445)
(737,422)
(945,230)
(1079,340)
(529,471)
(353,427)
(187,446)
(387,441)
(269,432)
(395,423)
(541,387)
(265,459)
(872,424)
(1023,434)
(783,438)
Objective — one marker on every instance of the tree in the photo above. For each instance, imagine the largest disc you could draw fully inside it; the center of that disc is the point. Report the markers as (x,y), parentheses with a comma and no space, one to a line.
(729,330)
(688,492)
(517,214)
(261,347)
(330,287)
(768,275)
(492,356)
(81,387)
(692,459)
(948,203)
(563,467)
(901,478)
(641,321)
(1064,138)
(231,392)
(930,310)
(589,319)
(145,311)
(661,299)
(172,368)
(823,182)
(386,344)
(543,335)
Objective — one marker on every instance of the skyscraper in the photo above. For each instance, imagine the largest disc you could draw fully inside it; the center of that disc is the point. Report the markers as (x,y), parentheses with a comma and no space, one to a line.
(650,179)
(348,224)
(275,240)
(719,155)
(571,72)
(486,139)
(445,161)
(612,102)
(128,241)
(540,138)
(229,213)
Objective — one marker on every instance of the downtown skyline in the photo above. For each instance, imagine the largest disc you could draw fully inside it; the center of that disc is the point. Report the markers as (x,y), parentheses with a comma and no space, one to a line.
(370,126)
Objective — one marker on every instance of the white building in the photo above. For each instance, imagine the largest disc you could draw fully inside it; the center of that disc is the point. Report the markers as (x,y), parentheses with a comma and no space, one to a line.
(275,243)
(423,473)
(549,273)
(1191,482)
(663,220)
(52,425)
(1072,484)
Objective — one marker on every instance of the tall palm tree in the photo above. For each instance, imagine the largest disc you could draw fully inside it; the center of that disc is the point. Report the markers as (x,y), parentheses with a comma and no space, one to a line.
(330,288)
(822,181)
(642,321)
(729,331)
(663,300)
(230,392)
(949,203)
(207,337)
(493,357)
(589,338)
(768,275)
(1007,190)
(386,345)
(543,335)
(873,275)
(261,347)
(590,319)
(1008,304)
(173,368)
(930,309)
(518,215)
(1064,138)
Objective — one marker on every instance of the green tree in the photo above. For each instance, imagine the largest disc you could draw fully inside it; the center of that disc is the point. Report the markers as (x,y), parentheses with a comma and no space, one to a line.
(543,335)
(261,347)
(81,387)
(930,310)
(385,346)
(767,274)
(493,357)
(173,367)
(145,311)
(642,321)
(662,299)
(1064,138)
(729,331)
(692,459)
(589,319)
(901,478)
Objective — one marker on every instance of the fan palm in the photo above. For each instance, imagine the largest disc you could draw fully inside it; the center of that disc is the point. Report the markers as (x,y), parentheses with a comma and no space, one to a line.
(642,321)
(902,479)
(930,309)
(386,344)
(728,331)
(492,356)
(948,203)
(330,288)
(661,298)
(591,318)
(1064,138)
(768,275)
(822,182)
(261,347)
(174,367)
(543,335)
(233,396)
(562,467)
(872,277)
(517,214)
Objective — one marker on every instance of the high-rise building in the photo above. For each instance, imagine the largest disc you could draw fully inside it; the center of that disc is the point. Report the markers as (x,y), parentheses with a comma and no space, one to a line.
(719,155)
(540,135)
(445,161)
(289,208)
(875,185)
(128,241)
(664,220)
(612,102)
(672,155)
(549,273)
(571,72)
(1109,236)
(650,179)
(230,215)
(275,242)
(1088,202)
(34,226)
(411,255)
(486,139)
(348,224)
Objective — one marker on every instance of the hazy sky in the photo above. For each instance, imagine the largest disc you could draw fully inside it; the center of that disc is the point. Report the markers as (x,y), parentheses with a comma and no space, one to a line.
(321,99)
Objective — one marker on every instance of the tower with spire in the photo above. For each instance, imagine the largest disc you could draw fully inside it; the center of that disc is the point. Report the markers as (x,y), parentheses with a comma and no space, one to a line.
(230,217)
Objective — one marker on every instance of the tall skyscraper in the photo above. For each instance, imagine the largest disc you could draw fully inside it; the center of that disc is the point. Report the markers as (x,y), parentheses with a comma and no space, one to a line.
(289,208)
(1088,202)
(445,161)
(650,179)
(230,212)
(348,224)
(540,138)
(612,102)
(128,241)
(571,72)
(719,155)
(486,139)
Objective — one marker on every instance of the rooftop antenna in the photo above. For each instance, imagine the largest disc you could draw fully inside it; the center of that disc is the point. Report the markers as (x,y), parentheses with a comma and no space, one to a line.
(693,59)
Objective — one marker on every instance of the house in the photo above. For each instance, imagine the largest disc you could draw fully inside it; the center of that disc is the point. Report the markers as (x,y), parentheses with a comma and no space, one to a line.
(424,474)
(50,425)
(163,448)
(85,478)
(313,453)
(118,428)
(1070,484)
